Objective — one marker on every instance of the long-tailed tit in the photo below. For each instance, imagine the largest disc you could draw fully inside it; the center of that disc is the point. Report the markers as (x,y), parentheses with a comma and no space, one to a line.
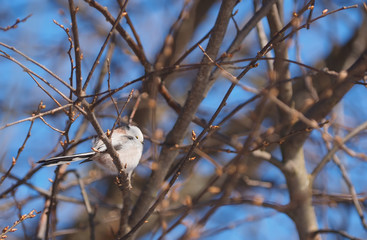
(127,141)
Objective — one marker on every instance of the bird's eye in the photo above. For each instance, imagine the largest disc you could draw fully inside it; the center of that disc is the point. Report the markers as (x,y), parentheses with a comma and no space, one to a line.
(137,137)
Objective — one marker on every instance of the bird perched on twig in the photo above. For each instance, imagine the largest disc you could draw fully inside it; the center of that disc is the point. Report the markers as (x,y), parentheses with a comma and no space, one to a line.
(127,141)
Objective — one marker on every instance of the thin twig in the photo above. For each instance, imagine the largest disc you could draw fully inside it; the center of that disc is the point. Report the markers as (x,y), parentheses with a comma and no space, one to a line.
(352,190)
(12,228)
(77,49)
(88,207)
(15,25)
(20,150)
(293,112)
(341,233)
(38,64)
(335,148)
(52,111)
(96,62)
(135,108)
(306,25)
(139,52)
(50,204)
(53,128)
(119,113)
(5,55)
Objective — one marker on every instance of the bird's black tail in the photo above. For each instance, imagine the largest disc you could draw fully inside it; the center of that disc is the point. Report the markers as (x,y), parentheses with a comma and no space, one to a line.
(66,159)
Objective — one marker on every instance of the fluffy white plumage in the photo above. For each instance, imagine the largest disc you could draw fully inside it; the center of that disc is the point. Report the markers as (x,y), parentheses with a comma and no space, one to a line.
(127,141)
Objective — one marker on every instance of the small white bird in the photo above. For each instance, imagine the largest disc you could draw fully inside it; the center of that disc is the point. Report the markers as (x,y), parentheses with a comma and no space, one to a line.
(127,141)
